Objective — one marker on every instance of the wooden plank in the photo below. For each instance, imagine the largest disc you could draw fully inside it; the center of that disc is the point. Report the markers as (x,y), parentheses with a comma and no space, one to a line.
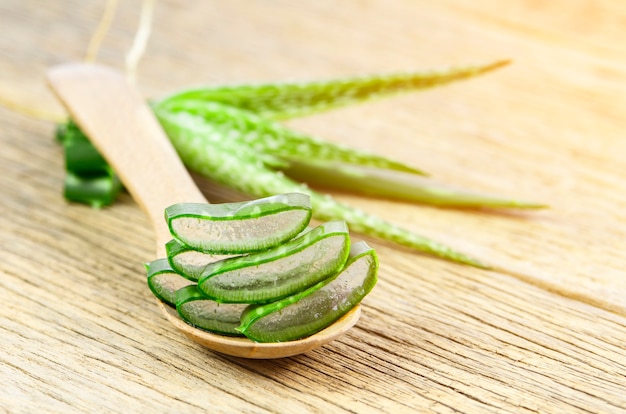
(79,327)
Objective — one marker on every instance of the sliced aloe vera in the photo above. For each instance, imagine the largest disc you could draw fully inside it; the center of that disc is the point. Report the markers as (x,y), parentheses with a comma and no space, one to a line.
(279,272)
(201,312)
(164,281)
(188,262)
(96,190)
(310,311)
(233,228)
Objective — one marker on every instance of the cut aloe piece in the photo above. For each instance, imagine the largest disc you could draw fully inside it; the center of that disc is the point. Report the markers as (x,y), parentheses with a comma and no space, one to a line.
(96,190)
(277,273)
(233,228)
(164,281)
(89,179)
(310,311)
(204,313)
(188,262)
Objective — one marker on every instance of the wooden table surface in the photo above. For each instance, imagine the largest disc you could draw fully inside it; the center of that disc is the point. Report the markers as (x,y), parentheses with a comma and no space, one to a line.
(79,328)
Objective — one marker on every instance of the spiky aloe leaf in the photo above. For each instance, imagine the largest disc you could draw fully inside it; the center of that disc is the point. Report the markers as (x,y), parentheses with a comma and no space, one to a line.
(225,166)
(289,100)
(314,161)
(264,137)
(96,190)
(395,185)
(219,135)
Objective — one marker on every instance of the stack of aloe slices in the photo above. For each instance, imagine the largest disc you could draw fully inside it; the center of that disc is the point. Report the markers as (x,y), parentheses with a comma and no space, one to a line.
(255,268)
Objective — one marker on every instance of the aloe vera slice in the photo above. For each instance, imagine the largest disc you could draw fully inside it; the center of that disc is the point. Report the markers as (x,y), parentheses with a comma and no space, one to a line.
(188,262)
(310,311)
(232,228)
(164,281)
(201,312)
(97,191)
(274,274)
(89,179)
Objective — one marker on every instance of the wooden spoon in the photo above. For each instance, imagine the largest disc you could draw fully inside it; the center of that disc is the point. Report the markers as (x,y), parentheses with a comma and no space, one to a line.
(119,123)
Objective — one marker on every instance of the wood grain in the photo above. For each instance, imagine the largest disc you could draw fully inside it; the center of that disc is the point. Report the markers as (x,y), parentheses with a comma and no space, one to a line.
(80,330)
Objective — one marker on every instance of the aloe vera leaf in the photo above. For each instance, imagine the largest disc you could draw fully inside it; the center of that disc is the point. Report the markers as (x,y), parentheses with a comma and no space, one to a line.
(281,271)
(317,162)
(188,262)
(395,185)
(289,100)
(310,311)
(227,168)
(264,136)
(359,221)
(201,312)
(214,136)
(232,228)
(164,281)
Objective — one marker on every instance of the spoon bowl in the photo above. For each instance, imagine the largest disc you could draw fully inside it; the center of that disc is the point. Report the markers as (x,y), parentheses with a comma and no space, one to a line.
(123,128)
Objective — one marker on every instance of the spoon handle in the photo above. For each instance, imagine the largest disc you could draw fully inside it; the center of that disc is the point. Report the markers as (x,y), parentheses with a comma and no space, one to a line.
(123,128)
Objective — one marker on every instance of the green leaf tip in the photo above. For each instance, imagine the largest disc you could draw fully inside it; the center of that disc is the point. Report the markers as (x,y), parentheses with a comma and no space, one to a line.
(396,185)
(289,100)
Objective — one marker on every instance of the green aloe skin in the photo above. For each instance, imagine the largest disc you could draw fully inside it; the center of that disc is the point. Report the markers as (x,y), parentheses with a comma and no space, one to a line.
(164,282)
(232,135)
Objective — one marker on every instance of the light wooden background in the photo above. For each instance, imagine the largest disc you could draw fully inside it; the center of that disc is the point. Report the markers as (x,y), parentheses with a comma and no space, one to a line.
(80,331)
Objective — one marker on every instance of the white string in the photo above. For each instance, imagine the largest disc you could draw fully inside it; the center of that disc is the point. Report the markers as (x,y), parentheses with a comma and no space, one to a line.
(101,30)
(141,40)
